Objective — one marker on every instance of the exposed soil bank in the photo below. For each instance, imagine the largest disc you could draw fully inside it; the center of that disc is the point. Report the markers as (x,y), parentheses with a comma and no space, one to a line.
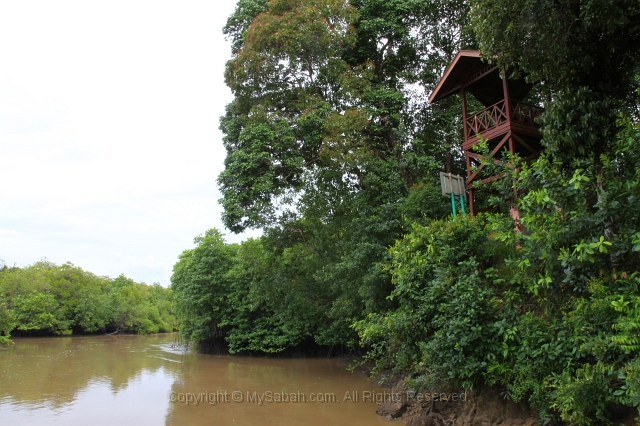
(471,408)
(480,407)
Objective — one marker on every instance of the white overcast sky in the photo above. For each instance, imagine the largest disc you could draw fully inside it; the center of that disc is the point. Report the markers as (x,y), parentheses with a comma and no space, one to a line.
(109,140)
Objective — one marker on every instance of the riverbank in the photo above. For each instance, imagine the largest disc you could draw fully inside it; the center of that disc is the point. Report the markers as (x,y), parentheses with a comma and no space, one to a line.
(479,407)
(462,408)
(448,407)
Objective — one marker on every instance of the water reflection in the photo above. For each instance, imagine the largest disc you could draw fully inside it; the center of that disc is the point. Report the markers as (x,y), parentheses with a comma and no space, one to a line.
(54,370)
(131,380)
(251,377)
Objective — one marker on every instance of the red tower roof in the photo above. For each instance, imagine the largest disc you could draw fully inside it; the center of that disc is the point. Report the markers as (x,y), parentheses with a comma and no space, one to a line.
(469,71)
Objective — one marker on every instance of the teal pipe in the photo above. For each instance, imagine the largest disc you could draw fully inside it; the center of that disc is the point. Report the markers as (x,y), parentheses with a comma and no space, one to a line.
(453,205)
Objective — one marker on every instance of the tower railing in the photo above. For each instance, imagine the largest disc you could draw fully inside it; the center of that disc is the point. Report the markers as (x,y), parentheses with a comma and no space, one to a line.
(526,113)
(496,115)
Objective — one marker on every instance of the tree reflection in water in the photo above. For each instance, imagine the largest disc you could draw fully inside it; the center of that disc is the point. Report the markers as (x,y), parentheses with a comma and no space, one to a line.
(128,379)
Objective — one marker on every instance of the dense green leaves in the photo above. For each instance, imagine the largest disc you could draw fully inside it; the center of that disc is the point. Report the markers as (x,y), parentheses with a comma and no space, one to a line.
(199,285)
(245,13)
(441,330)
(248,297)
(334,152)
(48,299)
(328,105)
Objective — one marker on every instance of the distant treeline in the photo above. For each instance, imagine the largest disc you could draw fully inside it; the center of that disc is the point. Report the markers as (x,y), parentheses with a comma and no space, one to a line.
(46,298)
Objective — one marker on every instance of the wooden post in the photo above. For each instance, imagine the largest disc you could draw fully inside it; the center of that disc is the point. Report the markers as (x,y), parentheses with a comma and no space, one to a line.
(464,114)
(472,204)
(507,95)
(463,96)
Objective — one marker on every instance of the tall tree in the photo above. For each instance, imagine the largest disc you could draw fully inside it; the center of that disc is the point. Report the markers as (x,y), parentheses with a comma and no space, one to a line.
(330,101)
(330,139)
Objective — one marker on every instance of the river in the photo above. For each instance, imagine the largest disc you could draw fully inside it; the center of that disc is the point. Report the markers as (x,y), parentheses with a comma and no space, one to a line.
(142,380)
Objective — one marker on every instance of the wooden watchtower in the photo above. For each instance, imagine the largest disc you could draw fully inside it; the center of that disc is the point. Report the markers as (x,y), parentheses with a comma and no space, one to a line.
(505,122)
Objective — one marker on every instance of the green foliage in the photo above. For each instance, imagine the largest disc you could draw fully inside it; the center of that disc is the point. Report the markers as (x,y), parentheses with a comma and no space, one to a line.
(244,298)
(283,302)
(40,311)
(51,299)
(441,331)
(245,13)
(7,320)
(334,152)
(549,314)
(326,106)
(423,202)
(575,262)
(136,307)
(200,286)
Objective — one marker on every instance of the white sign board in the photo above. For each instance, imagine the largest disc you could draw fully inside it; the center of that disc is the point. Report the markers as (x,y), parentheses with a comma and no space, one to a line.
(452,183)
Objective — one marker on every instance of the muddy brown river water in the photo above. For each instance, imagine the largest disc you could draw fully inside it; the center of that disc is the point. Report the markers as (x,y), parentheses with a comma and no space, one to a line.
(141,380)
